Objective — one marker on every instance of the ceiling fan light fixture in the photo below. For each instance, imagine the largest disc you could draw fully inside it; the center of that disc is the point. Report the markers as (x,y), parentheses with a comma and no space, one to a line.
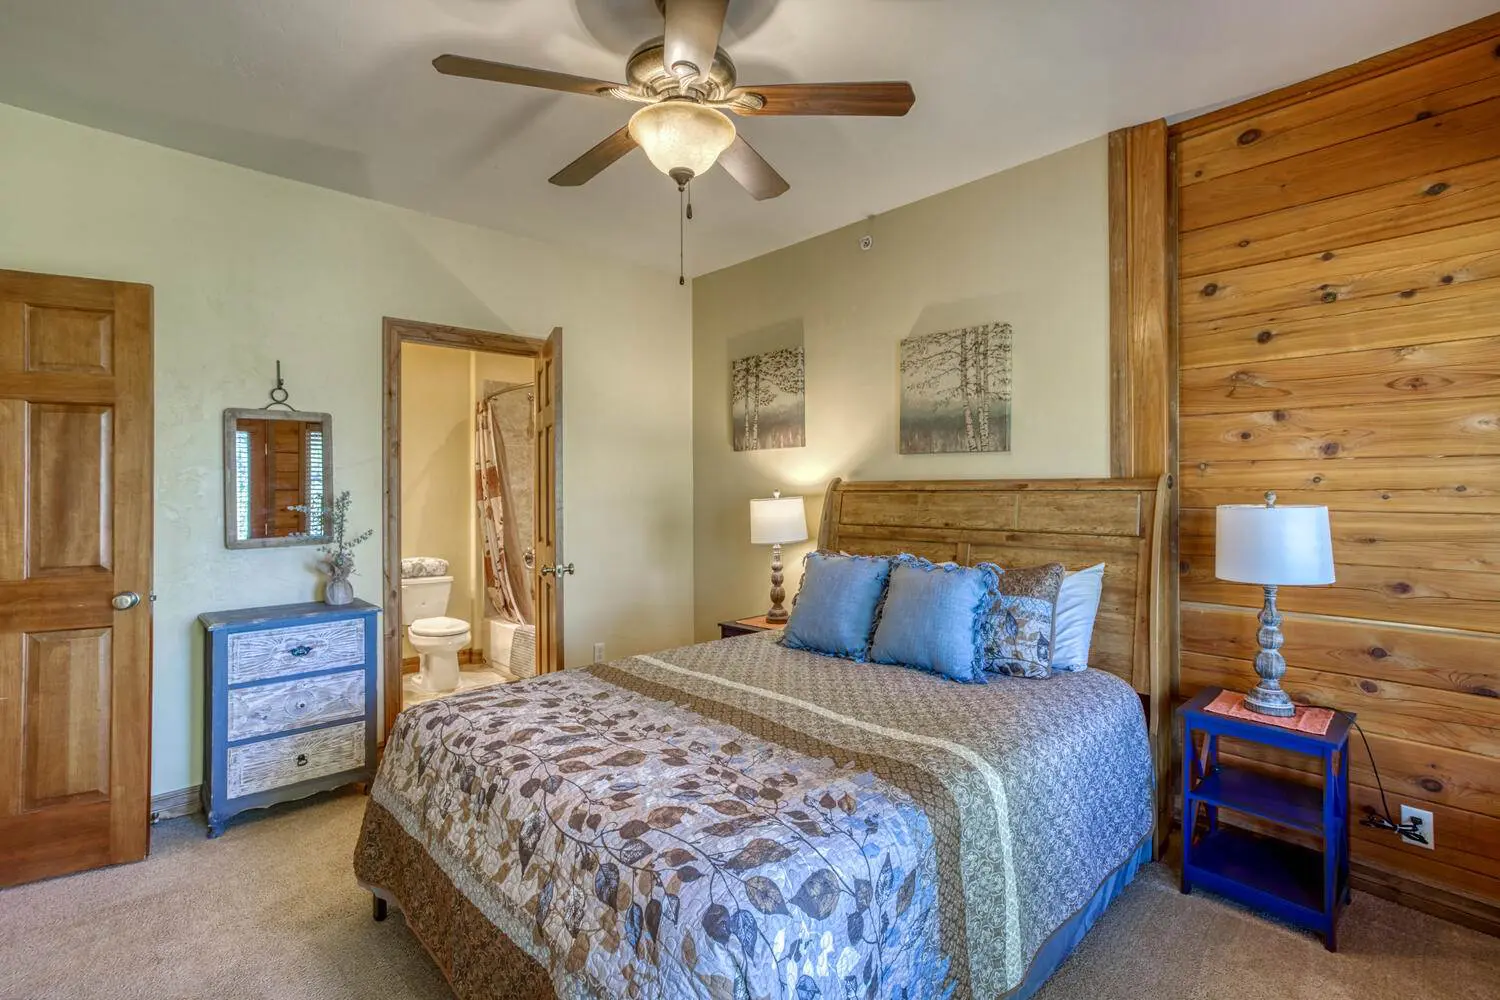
(681,136)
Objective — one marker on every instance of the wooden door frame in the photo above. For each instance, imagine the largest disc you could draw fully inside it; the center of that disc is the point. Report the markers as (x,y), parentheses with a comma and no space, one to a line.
(394,333)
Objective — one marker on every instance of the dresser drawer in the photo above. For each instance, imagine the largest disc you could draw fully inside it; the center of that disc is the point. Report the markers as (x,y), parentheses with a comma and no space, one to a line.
(296,649)
(257,767)
(293,704)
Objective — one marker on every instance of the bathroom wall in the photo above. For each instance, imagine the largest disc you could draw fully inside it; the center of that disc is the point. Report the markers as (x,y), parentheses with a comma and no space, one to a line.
(437,466)
(440,391)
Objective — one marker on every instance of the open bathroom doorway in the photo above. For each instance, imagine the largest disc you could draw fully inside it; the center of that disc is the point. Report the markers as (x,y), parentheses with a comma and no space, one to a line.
(473,478)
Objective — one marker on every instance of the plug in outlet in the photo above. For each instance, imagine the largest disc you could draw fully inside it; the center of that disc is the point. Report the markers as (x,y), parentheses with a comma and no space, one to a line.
(598,652)
(1423,819)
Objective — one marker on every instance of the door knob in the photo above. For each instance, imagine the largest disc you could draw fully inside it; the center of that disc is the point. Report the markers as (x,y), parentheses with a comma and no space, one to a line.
(125,601)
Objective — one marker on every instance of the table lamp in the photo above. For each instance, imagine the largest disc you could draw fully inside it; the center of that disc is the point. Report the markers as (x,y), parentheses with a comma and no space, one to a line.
(1274,547)
(775,521)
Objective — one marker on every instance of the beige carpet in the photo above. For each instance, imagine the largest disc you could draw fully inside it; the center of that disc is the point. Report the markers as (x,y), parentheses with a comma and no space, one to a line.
(271,910)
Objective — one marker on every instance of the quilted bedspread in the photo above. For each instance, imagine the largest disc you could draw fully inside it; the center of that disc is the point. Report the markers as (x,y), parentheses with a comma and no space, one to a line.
(740,821)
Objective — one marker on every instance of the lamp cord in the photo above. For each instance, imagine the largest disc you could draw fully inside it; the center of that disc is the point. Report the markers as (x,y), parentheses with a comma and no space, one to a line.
(1385,806)
(1387,821)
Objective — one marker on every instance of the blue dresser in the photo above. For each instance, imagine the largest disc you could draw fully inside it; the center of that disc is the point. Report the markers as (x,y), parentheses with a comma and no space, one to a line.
(289,704)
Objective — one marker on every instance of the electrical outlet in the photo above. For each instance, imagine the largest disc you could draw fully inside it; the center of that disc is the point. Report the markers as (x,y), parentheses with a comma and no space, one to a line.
(598,652)
(1422,817)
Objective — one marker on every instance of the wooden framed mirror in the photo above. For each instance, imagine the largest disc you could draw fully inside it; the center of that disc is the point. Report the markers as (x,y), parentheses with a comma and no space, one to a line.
(278,477)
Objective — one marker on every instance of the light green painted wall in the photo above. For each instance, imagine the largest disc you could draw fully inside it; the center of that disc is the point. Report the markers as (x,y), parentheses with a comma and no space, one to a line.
(1029,246)
(250,268)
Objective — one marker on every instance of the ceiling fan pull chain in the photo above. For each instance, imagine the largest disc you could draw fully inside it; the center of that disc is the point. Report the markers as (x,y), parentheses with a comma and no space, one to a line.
(681,239)
(690,201)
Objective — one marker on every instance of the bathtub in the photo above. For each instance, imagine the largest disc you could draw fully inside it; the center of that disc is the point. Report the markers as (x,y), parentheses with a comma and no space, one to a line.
(510,647)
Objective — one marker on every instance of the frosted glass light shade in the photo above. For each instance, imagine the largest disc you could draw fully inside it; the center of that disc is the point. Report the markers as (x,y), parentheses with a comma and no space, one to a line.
(1273,546)
(681,135)
(777,521)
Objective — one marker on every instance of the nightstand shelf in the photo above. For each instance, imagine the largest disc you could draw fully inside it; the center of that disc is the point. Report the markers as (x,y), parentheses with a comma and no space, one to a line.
(1304,885)
(1245,865)
(1279,800)
(748,626)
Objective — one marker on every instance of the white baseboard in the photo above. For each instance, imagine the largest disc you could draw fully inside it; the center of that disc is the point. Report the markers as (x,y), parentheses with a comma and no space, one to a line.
(170,805)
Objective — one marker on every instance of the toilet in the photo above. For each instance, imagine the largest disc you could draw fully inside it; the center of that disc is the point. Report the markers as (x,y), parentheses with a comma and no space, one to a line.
(436,637)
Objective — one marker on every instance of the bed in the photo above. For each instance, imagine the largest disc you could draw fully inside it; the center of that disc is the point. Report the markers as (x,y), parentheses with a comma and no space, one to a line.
(736,819)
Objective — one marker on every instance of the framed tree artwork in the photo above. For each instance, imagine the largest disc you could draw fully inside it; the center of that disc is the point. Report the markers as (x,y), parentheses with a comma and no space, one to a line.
(955,390)
(766,400)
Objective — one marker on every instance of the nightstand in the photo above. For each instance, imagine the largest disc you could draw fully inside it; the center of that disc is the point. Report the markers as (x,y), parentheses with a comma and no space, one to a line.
(745,626)
(1302,885)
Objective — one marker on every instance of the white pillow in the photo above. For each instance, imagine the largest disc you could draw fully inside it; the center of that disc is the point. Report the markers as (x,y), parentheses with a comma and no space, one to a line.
(1073,623)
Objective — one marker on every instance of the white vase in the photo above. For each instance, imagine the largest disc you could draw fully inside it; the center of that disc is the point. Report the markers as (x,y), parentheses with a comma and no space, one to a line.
(338,592)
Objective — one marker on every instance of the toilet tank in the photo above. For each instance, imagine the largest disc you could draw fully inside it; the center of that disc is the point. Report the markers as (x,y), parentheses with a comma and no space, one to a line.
(424,597)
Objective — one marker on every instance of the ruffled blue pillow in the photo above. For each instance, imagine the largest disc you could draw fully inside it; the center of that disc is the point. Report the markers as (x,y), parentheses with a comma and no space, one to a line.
(835,609)
(936,617)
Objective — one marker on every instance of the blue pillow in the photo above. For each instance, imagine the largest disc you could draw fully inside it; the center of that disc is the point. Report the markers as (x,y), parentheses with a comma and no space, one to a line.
(835,609)
(935,617)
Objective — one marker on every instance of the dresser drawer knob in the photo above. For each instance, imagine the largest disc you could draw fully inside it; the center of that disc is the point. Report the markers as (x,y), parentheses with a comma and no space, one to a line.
(300,650)
(301,760)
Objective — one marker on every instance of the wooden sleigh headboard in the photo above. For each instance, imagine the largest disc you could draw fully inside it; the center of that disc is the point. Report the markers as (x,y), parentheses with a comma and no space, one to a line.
(1077,522)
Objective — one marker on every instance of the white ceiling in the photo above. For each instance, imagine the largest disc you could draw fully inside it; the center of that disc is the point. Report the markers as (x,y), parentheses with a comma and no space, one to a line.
(341,93)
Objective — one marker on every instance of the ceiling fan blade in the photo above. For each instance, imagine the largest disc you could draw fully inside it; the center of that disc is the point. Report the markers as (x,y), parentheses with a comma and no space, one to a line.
(587,166)
(692,35)
(891,98)
(752,171)
(483,69)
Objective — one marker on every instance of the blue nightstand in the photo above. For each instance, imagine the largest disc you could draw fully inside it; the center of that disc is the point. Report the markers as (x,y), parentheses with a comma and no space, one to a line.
(1296,883)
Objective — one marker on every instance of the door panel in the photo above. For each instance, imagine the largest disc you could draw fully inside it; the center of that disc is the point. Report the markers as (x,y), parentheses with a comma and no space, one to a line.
(69,519)
(75,529)
(66,719)
(548,463)
(69,340)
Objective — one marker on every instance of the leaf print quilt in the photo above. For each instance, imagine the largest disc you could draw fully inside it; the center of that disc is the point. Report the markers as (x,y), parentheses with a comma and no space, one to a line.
(720,823)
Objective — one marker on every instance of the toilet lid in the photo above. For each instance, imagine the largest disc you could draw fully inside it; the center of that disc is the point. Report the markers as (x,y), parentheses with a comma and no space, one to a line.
(439,626)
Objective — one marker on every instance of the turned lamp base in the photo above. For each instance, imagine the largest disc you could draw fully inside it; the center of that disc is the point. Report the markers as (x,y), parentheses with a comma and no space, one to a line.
(1266,700)
(1267,697)
(778,592)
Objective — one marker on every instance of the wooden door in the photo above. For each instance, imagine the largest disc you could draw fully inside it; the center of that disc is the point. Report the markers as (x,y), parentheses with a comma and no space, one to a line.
(75,532)
(548,485)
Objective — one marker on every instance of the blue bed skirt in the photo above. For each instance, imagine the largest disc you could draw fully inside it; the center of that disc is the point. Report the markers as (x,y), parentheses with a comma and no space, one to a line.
(1067,937)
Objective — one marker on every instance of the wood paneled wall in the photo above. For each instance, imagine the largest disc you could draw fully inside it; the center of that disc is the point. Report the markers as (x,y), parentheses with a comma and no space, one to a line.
(1338,268)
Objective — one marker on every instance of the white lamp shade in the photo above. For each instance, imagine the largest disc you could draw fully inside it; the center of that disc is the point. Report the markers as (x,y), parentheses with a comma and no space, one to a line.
(1273,546)
(681,135)
(777,521)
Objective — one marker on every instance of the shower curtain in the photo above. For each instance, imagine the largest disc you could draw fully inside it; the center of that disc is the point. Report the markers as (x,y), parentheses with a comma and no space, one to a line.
(506,578)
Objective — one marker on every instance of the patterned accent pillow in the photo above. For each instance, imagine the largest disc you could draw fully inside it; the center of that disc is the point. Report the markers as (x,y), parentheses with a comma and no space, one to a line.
(834,612)
(934,617)
(1022,621)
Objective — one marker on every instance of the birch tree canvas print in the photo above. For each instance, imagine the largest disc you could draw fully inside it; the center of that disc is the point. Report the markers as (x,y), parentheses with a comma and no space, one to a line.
(955,390)
(766,403)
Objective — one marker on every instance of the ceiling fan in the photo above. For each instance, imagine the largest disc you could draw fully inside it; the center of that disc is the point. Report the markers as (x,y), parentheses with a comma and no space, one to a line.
(686,83)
